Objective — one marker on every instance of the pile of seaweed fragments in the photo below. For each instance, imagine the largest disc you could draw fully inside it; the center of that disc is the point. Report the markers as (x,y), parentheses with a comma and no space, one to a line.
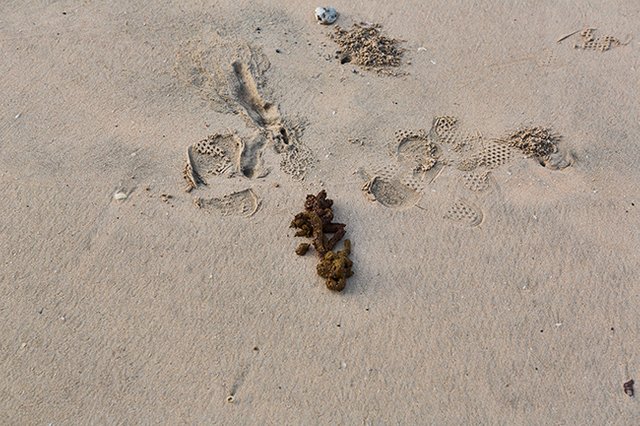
(315,222)
(534,141)
(364,45)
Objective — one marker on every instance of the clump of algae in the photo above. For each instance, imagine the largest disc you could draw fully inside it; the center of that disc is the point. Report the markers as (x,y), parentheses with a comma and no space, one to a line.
(534,141)
(336,267)
(365,45)
(315,222)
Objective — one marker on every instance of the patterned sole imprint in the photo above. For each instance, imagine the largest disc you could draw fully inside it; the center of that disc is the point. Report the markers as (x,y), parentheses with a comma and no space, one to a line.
(464,213)
(243,203)
(228,73)
(494,155)
(217,155)
(601,44)
(475,181)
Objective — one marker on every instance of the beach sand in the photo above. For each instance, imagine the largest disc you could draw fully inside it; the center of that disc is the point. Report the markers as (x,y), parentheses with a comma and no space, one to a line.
(505,292)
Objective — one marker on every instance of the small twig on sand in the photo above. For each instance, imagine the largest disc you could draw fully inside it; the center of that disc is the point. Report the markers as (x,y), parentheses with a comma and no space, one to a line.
(564,37)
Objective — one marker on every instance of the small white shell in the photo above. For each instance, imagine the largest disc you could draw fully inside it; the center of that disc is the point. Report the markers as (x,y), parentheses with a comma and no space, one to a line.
(326,15)
(119,196)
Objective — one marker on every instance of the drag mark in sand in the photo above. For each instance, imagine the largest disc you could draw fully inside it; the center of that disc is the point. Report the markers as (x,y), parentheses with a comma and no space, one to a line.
(229,73)
(245,92)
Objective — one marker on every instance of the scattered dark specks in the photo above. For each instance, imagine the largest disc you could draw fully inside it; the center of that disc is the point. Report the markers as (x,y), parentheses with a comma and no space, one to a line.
(628,387)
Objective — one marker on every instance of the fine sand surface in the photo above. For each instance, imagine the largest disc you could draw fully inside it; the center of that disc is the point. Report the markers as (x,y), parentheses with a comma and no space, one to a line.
(502,294)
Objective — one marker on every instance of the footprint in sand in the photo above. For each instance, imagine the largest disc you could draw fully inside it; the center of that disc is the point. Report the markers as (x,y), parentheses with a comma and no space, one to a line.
(225,156)
(464,213)
(588,41)
(477,181)
(418,158)
(228,74)
(242,203)
(399,183)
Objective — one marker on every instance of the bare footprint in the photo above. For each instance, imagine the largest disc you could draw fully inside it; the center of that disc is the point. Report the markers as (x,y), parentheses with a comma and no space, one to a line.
(251,162)
(243,203)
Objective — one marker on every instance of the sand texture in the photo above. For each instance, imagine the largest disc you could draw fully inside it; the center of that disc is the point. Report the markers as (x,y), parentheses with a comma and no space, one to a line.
(153,156)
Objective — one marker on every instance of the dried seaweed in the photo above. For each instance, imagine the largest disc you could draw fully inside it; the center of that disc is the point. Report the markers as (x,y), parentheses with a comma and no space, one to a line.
(534,141)
(336,267)
(315,222)
(302,249)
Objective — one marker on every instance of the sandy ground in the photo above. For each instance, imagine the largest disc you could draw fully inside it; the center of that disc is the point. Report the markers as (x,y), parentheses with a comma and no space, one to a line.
(518,306)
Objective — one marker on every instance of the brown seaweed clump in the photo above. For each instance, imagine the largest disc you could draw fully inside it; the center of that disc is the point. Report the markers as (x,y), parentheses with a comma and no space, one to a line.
(315,222)
(336,267)
(534,141)
(364,45)
(302,249)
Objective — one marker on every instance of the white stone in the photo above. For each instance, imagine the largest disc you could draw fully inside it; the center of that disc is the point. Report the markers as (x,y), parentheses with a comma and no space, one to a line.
(326,15)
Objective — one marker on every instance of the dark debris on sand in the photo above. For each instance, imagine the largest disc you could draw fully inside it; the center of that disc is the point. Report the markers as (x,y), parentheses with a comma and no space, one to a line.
(534,141)
(315,222)
(364,45)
